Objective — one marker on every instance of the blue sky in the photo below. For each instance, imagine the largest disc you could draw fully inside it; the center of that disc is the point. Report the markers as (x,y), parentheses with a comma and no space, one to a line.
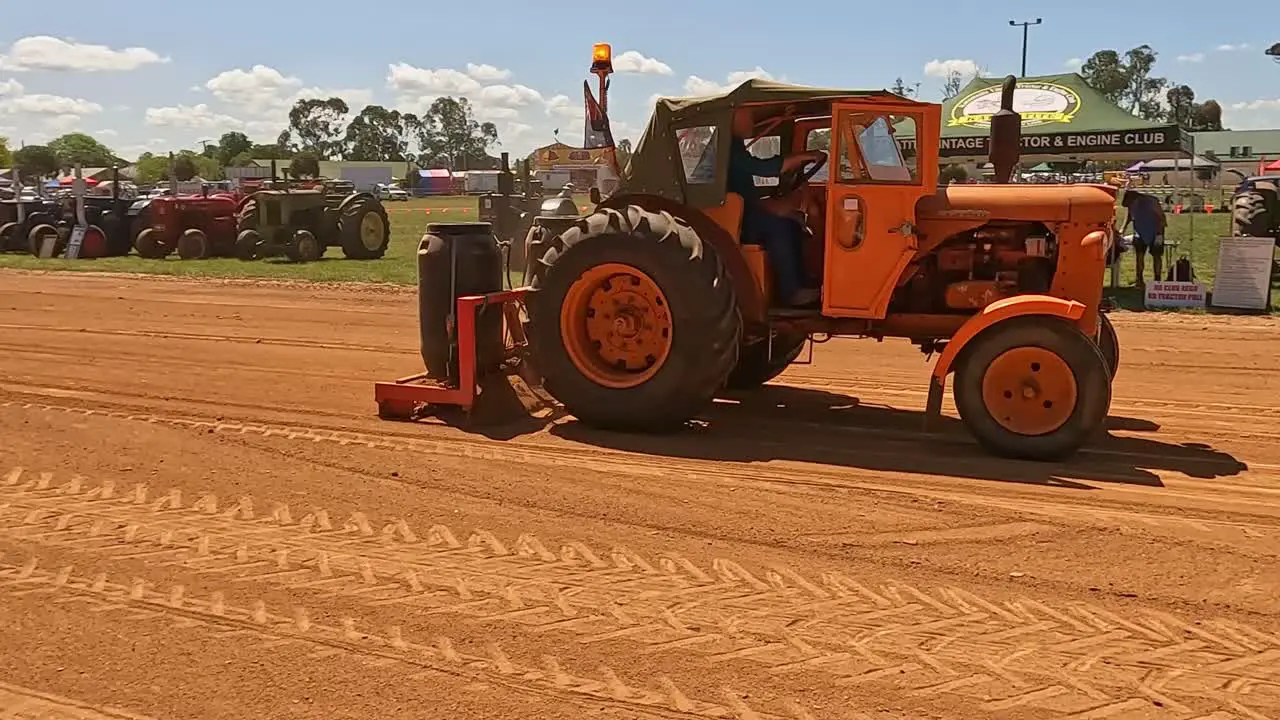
(169,75)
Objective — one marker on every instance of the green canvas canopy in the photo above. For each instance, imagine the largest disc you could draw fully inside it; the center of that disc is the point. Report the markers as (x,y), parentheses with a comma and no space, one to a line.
(655,166)
(1063,119)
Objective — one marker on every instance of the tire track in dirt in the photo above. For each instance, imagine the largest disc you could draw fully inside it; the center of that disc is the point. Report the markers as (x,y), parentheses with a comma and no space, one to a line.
(22,703)
(249,339)
(796,377)
(104,397)
(136,599)
(1261,533)
(1058,657)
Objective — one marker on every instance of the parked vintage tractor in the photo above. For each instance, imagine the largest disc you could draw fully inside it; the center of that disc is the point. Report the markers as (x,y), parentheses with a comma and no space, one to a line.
(109,215)
(511,210)
(662,298)
(24,223)
(1255,208)
(196,226)
(302,223)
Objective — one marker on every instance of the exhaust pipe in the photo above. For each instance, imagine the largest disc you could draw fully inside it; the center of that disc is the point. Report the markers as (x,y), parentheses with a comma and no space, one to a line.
(1006,134)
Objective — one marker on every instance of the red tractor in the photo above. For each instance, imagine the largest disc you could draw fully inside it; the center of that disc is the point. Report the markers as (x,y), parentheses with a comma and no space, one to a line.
(196,226)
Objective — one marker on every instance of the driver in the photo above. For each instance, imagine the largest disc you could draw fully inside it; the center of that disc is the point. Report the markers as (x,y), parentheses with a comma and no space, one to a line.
(773,225)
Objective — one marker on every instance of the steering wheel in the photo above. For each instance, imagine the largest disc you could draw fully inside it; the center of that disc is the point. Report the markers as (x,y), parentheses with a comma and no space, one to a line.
(793,180)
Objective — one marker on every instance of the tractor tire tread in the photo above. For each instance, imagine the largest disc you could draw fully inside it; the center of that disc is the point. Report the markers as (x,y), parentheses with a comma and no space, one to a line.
(705,347)
(353,247)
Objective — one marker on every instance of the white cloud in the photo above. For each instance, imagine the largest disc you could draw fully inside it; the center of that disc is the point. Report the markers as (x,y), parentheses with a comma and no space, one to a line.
(192,117)
(42,115)
(944,68)
(53,105)
(108,133)
(1191,58)
(256,86)
(487,73)
(406,79)
(42,52)
(696,86)
(1261,114)
(632,61)
(1074,64)
(1228,47)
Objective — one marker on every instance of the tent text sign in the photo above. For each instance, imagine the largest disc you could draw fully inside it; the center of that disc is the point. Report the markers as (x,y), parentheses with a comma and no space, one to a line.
(1084,143)
(1062,118)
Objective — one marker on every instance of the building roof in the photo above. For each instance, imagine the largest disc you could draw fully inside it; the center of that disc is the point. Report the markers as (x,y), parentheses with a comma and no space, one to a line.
(1260,142)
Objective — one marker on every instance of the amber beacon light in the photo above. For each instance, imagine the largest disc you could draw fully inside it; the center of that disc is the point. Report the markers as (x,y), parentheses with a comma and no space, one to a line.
(602,58)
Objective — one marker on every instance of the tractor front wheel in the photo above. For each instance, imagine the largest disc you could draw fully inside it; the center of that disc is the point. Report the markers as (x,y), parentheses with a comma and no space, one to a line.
(1033,388)
(1109,344)
(303,247)
(151,245)
(193,245)
(9,236)
(36,239)
(247,244)
(634,325)
(363,229)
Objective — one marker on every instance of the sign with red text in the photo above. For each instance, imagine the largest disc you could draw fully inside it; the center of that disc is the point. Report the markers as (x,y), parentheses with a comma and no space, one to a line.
(1174,295)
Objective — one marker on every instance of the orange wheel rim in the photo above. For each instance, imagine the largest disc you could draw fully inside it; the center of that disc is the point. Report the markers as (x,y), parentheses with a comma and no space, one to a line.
(1029,390)
(616,326)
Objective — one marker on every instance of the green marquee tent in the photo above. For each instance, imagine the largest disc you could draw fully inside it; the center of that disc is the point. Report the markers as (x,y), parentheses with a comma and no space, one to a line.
(1063,119)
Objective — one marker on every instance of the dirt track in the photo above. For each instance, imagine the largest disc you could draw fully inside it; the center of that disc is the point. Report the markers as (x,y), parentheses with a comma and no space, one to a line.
(202,517)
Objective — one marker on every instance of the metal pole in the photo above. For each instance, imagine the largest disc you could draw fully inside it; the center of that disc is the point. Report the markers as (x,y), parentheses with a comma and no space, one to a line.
(1025,26)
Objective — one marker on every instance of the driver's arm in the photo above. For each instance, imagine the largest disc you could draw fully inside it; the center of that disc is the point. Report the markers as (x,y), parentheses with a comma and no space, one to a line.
(799,160)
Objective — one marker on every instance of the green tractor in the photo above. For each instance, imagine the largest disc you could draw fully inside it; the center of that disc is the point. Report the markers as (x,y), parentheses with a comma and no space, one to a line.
(301,223)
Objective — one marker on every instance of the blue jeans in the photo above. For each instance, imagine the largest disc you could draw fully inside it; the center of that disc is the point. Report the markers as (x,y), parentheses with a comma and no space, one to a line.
(781,239)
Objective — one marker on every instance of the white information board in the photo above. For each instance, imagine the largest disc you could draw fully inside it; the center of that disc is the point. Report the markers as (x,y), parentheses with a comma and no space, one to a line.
(1243,281)
(1174,295)
(73,245)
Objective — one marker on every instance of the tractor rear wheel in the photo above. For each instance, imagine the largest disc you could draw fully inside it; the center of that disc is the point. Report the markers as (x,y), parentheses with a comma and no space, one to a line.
(36,239)
(247,244)
(1250,216)
(758,364)
(151,245)
(247,217)
(303,247)
(1033,388)
(9,236)
(1109,344)
(634,324)
(193,245)
(363,229)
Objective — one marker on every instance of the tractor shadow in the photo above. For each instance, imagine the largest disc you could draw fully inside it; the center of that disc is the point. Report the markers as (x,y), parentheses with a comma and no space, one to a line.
(779,422)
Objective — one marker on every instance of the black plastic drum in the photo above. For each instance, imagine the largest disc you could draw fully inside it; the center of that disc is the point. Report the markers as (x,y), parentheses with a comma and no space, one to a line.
(455,260)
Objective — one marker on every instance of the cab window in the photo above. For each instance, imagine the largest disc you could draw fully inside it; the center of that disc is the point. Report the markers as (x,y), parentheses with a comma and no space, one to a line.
(698,153)
(869,152)
(820,139)
(764,148)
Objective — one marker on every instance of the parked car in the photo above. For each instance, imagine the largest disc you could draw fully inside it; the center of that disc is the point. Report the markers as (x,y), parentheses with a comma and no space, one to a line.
(390,193)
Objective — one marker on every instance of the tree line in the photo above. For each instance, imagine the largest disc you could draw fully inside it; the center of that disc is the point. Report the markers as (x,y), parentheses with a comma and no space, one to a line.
(447,135)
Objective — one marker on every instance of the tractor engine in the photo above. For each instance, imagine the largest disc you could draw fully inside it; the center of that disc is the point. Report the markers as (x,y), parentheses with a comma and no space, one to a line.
(976,268)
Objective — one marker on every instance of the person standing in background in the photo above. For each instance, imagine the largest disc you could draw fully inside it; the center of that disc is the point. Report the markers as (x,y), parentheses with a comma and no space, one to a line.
(1146,214)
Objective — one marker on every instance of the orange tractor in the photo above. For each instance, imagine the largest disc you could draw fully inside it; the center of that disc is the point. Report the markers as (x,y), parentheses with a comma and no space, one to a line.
(652,304)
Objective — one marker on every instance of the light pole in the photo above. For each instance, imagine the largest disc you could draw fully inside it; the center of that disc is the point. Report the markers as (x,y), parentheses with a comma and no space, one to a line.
(1024,26)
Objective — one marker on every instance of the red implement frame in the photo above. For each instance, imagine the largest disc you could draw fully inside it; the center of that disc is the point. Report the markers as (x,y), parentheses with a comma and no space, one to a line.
(400,400)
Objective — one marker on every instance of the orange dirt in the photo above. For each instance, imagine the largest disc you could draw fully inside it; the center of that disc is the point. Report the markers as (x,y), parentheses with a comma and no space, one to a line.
(202,517)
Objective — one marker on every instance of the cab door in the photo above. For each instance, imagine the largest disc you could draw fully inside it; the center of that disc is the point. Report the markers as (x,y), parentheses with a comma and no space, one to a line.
(872,191)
